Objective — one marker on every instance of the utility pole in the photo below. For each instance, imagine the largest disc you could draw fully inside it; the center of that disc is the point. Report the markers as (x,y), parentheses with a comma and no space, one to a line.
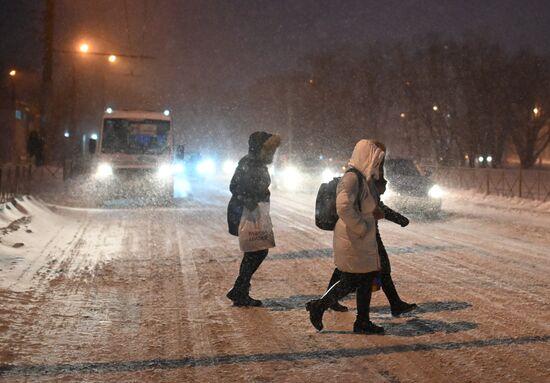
(47,91)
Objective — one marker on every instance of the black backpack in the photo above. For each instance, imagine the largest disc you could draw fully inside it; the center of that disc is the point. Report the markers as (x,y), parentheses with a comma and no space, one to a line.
(325,204)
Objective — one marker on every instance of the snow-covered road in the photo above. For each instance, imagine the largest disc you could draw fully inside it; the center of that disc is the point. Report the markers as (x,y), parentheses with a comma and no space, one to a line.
(119,295)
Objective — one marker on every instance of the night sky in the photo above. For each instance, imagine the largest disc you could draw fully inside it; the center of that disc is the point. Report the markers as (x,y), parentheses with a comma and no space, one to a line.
(205,48)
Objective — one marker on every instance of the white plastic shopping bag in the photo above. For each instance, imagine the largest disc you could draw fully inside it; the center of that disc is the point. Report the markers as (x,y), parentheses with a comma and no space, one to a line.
(256,229)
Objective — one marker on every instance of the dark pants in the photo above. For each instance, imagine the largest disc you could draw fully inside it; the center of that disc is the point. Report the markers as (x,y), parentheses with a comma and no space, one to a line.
(348,283)
(385,274)
(250,263)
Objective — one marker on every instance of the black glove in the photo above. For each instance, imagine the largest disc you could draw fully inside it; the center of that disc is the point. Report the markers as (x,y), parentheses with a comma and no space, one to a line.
(394,216)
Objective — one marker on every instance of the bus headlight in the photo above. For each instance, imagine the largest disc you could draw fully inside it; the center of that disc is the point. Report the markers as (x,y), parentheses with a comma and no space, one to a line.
(435,192)
(104,171)
(164,171)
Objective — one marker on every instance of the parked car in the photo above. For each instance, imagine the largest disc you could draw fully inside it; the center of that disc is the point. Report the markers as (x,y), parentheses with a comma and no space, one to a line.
(409,190)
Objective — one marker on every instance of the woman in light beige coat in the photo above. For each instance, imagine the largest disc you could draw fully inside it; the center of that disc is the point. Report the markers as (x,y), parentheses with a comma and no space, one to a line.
(355,248)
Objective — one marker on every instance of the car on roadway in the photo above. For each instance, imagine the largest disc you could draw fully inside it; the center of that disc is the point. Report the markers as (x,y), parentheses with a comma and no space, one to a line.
(409,190)
(305,173)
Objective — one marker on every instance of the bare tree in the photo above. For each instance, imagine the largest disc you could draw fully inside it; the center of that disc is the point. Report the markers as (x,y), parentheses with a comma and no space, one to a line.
(529,101)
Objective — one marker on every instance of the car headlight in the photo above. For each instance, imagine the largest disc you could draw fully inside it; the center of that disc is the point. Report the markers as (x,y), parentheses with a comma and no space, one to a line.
(435,192)
(206,167)
(104,171)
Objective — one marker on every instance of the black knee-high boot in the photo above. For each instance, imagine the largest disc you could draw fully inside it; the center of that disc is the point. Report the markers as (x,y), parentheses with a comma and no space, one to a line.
(333,280)
(336,292)
(239,294)
(363,324)
(397,306)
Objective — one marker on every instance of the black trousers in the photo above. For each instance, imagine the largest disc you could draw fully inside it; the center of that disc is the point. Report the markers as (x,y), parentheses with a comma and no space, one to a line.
(249,264)
(385,274)
(348,283)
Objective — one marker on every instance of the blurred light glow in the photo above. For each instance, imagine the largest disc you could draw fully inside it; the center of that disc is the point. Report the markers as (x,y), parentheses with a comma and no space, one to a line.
(206,167)
(291,177)
(402,115)
(229,167)
(93,136)
(182,188)
(435,192)
(112,58)
(480,159)
(13,72)
(435,108)
(164,171)
(109,110)
(389,193)
(489,159)
(166,112)
(536,111)
(84,48)
(104,170)
(178,168)
(66,135)
(328,175)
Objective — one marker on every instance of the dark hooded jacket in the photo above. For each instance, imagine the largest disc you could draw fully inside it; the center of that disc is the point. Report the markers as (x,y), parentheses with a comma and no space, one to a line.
(250,183)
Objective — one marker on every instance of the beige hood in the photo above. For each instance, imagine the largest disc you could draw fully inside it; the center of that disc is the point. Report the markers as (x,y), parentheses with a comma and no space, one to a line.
(366,158)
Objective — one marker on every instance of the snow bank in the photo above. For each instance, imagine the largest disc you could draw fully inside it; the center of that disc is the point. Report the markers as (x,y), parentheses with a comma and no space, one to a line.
(498,202)
(26,226)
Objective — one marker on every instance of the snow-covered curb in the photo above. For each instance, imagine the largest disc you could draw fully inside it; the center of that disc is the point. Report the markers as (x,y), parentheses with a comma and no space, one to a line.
(496,201)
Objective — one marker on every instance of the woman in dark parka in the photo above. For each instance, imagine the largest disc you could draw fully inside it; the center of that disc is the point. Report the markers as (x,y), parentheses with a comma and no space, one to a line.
(250,186)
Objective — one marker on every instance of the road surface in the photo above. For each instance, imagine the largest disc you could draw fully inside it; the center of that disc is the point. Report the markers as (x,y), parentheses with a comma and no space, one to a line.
(135,295)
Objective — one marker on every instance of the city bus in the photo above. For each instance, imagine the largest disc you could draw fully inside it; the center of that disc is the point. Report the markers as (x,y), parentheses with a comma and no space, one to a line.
(133,154)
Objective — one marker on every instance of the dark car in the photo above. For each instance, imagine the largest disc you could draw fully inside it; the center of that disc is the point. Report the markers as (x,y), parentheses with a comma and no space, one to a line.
(408,189)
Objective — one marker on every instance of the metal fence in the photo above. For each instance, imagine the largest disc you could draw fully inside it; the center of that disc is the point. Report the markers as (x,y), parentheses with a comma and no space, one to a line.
(14,180)
(24,178)
(532,184)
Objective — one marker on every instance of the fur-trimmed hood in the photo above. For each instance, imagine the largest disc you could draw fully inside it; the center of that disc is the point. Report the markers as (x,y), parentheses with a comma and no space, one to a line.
(262,140)
(366,158)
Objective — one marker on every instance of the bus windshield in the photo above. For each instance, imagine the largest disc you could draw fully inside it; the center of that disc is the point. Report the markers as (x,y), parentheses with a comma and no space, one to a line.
(135,136)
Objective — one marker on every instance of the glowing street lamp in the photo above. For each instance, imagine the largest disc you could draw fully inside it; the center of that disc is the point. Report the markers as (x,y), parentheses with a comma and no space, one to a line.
(112,58)
(402,115)
(84,48)
(13,72)
(536,111)
(435,108)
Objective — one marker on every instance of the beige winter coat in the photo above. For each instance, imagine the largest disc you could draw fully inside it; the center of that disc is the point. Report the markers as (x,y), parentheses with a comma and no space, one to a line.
(355,248)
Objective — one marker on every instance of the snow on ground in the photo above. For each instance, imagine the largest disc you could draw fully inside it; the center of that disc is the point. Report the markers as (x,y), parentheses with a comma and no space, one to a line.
(124,295)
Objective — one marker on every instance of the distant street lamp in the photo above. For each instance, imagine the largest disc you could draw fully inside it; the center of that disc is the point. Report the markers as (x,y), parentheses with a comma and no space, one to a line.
(13,72)
(435,108)
(84,48)
(536,111)
(402,115)
(112,58)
